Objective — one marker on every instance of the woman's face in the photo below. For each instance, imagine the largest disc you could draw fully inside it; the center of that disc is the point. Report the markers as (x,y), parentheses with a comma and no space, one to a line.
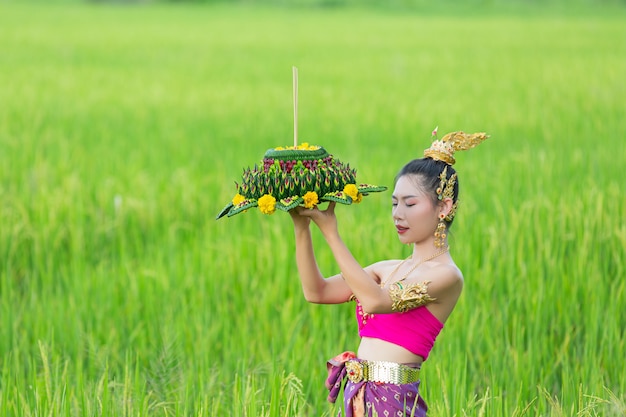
(414,214)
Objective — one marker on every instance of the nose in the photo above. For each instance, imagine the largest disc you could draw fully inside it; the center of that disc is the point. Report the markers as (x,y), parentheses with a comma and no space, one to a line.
(396,213)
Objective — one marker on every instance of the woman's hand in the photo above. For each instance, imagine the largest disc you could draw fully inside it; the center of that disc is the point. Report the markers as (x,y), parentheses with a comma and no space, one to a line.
(324,219)
(299,221)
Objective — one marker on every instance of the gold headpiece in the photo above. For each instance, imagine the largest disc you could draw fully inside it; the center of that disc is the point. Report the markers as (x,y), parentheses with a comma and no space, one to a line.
(443,150)
(446,190)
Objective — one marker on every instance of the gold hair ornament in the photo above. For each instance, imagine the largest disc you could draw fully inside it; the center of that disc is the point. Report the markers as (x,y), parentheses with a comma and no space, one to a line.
(443,150)
(446,190)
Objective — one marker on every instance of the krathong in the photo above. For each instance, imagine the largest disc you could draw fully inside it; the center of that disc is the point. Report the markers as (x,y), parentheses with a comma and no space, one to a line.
(290,176)
(299,175)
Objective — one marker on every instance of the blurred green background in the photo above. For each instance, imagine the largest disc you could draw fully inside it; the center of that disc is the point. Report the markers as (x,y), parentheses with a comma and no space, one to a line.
(123,128)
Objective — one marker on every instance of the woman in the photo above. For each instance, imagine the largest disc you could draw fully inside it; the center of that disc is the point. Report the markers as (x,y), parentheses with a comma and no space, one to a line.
(401,305)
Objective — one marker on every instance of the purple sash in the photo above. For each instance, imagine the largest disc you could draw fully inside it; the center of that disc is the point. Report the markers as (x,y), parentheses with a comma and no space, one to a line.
(362,398)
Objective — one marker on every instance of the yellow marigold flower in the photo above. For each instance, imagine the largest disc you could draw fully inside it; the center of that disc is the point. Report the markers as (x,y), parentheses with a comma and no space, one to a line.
(307,147)
(358,199)
(302,147)
(351,191)
(267,204)
(310,199)
(238,199)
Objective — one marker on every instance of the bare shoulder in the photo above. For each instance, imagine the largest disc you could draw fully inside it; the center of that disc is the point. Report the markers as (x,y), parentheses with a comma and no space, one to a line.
(381,269)
(444,279)
(388,263)
(447,272)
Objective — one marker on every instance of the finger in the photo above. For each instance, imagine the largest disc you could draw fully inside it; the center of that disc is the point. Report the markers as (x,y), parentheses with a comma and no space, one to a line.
(305,212)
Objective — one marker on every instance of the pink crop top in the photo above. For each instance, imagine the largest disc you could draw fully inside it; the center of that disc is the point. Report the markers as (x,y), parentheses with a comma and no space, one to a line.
(414,330)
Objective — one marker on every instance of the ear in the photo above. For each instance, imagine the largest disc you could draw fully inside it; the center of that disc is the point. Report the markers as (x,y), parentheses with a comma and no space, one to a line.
(445,206)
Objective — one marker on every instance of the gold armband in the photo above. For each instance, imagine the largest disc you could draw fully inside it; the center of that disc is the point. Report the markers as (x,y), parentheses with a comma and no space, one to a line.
(405,297)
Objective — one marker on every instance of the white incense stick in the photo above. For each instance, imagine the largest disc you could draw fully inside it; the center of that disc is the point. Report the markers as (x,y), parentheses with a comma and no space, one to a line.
(295,107)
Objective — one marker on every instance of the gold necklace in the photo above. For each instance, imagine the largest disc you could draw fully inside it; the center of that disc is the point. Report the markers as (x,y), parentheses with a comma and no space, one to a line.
(418,263)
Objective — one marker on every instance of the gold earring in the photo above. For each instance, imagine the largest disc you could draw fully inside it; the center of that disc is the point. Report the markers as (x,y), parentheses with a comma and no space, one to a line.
(440,232)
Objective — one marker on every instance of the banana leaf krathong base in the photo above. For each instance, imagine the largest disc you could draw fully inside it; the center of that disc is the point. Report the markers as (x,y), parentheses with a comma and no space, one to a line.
(304,175)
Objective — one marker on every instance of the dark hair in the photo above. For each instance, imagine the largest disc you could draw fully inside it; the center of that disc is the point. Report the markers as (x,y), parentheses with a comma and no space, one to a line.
(427,171)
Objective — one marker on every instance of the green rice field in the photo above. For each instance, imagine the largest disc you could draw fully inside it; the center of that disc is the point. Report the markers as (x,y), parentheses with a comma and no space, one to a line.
(124,127)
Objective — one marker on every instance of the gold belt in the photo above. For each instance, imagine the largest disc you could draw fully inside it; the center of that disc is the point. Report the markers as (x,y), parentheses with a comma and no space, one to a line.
(378,371)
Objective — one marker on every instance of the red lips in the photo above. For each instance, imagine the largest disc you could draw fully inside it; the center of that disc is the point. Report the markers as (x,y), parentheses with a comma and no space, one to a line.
(401,229)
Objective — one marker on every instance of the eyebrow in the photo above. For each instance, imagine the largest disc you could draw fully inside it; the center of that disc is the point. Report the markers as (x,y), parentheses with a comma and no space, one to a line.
(404,197)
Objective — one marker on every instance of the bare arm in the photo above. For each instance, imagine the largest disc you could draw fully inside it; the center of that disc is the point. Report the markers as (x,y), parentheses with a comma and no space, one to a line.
(445,282)
(445,287)
(315,287)
(358,281)
(439,287)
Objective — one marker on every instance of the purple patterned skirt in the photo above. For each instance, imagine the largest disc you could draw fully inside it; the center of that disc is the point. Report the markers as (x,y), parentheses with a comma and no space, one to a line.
(372,399)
